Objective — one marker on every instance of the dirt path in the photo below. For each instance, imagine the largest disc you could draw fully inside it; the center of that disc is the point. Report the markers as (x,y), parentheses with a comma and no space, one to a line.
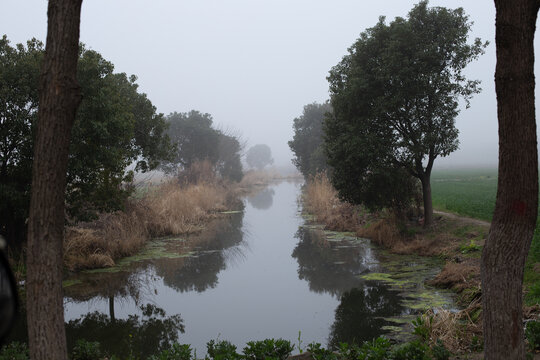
(463,218)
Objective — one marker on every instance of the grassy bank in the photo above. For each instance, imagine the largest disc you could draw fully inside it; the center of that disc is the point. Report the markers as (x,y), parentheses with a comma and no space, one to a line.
(473,193)
(455,239)
(172,207)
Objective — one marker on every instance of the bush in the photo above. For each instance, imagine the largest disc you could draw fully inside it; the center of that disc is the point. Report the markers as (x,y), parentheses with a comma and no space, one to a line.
(221,350)
(423,326)
(177,352)
(86,350)
(532,332)
(15,351)
(320,353)
(414,350)
(268,349)
(440,352)
(376,350)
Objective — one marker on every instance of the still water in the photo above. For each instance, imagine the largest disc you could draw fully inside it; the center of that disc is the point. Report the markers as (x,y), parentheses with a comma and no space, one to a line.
(250,275)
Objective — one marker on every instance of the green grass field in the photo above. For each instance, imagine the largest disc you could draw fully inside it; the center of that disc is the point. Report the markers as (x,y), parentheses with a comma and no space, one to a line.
(472,193)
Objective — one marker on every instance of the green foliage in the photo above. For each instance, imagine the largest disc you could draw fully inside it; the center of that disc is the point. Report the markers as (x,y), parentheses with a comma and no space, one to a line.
(378,349)
(319,353)
(258,156)
(176,352)
(440,352)
(307,142)
(15,351)
(422,327)
(470,247)
(221,350)
(268,349)
(19,78)
(115,126)
(86,350)
(414,350)
(395,99)
(532,333)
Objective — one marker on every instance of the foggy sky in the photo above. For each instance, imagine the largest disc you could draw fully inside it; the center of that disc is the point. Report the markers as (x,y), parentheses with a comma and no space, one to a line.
(254,64)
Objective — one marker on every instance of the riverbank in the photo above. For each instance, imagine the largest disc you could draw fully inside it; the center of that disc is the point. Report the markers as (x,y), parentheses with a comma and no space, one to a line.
(168,208)
(457,240)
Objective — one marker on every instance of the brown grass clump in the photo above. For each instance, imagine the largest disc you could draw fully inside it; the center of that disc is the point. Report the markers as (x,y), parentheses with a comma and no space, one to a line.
(170,209)
(321,200)
(456,330)
(457,276)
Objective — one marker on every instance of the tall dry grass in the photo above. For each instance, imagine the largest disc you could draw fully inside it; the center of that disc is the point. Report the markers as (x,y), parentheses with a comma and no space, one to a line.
(322,201)
(171,208)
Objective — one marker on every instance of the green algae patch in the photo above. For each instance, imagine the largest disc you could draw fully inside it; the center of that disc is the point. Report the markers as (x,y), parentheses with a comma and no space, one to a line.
(156,249)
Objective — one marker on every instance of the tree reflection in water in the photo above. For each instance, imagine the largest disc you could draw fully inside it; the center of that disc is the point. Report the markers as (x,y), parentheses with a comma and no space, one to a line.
(145,335)
(361,312)
(334,267)
(216,246)
(262,200)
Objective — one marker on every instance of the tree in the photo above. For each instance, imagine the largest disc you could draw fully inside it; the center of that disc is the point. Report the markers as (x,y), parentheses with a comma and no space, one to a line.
(59,97)
(516,208)
(114,127)
(398,91)
(258,156)
(195,139)
(307,142)
(19,76)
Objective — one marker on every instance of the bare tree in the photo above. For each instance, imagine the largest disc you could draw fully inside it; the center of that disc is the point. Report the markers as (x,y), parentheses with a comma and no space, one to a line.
(514,220)
(58,101)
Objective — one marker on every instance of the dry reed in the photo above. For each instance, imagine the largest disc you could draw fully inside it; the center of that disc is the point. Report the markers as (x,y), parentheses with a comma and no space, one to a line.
(172,208)
(321,200)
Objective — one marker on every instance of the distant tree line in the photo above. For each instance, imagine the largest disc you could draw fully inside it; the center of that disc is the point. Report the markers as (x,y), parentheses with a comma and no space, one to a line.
(392,109)
(117,132)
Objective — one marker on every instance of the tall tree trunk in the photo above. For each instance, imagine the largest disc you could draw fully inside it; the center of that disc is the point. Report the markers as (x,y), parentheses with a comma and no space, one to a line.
(58,101)
(426,195)
(514,220)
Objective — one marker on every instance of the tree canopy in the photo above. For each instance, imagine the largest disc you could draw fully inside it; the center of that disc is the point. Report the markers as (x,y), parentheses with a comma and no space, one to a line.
(395,96)
(115,126)
(195,139)
(307,142)
(259,156)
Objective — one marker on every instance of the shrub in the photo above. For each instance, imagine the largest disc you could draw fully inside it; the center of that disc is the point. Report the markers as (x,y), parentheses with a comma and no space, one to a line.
(320,353)
(414,350)
(532,332)
(423,326)
(268,349)
(221,350)
(440,352)
(15,351)
(376,350)
(177,352)
(86,350)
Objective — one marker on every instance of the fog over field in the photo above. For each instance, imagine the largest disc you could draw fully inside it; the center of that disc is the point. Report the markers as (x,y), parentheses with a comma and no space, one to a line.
(254,64)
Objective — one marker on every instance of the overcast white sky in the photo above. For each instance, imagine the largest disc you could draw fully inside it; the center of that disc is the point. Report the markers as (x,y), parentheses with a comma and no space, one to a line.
(254,64)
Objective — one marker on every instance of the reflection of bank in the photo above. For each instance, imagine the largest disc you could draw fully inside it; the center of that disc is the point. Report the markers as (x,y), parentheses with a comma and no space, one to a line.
(333,263)
(262,200)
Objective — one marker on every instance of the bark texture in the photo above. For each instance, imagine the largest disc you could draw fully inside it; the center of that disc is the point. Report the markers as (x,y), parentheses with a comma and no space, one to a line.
(514,220)
(58,102)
